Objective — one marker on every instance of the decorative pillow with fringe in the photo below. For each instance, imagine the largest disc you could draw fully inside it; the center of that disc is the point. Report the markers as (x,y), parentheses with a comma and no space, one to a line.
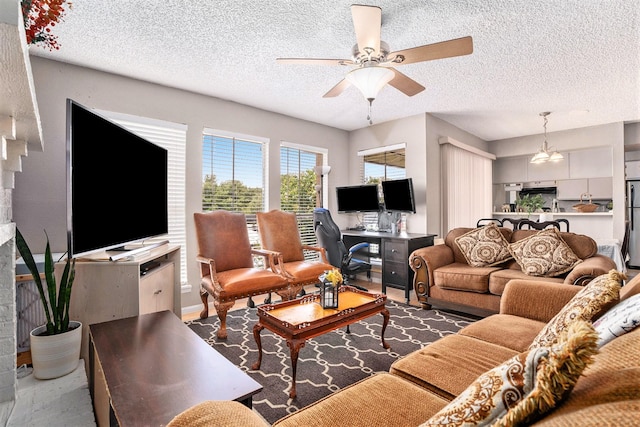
(542,373)
(484,246)
(584,305)
(557,374)
(622,318)
(544,254)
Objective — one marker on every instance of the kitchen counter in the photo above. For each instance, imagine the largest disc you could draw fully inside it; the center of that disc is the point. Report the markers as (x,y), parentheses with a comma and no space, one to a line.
(597,225)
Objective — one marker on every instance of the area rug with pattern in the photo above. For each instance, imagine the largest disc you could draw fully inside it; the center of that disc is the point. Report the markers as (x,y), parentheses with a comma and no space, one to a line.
(326,363)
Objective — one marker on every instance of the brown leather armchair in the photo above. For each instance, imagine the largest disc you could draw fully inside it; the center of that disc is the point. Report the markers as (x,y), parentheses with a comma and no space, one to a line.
(226,264)
(279,232)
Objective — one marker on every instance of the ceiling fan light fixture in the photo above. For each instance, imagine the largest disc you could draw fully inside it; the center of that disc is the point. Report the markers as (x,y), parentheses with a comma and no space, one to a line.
(556,157)
(370,79)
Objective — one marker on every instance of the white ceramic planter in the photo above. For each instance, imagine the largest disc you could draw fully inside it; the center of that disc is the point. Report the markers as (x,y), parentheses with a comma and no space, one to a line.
(55,355)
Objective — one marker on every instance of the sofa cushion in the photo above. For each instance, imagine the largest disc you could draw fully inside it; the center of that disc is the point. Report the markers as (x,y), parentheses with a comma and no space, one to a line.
(381,399)
(544,254)
(620,319)
(450,240)
(463,277)
(607,392)
(597,296)
(445,366)
(499,279)
(506,330)
(484,246)
(523,386)
(582,245)
(557,374)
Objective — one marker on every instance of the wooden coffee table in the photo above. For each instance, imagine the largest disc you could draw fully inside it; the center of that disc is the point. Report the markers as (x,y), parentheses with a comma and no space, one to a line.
(299,320)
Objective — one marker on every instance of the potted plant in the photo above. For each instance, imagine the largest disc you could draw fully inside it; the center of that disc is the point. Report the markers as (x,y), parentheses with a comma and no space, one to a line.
(531,203)
(55,346)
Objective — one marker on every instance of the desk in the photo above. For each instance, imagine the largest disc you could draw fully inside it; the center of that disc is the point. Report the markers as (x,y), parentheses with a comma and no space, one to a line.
(147,369)
(394,250)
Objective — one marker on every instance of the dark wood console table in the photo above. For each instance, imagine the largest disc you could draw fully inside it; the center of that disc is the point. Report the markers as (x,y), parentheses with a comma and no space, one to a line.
(145,370)
(394,250)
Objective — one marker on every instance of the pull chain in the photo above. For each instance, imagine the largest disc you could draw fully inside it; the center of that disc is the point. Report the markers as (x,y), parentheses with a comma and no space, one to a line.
(369,115)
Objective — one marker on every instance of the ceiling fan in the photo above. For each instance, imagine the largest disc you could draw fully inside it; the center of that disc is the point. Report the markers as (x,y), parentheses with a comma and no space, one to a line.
(374,62)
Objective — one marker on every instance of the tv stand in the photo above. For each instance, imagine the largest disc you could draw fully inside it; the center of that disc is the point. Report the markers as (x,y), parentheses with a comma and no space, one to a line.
(126,253)
(105,290)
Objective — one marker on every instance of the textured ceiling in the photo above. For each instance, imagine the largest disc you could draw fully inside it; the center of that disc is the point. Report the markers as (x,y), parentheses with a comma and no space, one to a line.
(579,59)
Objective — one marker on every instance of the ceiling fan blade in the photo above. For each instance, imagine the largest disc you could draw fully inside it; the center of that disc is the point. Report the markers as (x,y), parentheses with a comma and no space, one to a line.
(446,49)
(315,61)
(405,84)
(337,89)
(367,22)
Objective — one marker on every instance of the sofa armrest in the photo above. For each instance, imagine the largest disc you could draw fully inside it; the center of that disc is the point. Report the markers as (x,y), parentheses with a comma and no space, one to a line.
(535,299)
(220,413)
(589,269)
(423,262)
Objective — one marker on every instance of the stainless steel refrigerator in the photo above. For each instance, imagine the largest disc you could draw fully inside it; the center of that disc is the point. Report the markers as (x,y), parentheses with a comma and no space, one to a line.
(633,216)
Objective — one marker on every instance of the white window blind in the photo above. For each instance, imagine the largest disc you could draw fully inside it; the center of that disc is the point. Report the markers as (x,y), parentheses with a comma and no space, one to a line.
(172,137)
(298,193)
(382,165)
(233,175)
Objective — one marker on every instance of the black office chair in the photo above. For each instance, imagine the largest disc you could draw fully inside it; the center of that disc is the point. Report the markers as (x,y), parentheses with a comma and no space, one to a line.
(330,238)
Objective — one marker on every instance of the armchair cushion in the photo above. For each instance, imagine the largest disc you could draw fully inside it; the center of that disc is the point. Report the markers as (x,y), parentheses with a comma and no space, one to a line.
(544,254)
(597,296)
(484,246)
(219,413)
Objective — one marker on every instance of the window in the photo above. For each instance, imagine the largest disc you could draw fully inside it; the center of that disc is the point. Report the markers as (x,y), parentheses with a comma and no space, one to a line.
(381,164)
(172,137)
(233,175)
(298,183)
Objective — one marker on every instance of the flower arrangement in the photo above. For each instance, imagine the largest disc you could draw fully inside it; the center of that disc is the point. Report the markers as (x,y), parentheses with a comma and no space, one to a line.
(39,17)
(334,277)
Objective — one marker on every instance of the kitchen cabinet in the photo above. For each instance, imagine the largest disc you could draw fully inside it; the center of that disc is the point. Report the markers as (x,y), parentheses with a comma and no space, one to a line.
(510,169)
(548,171)
(571,189)
(591,163)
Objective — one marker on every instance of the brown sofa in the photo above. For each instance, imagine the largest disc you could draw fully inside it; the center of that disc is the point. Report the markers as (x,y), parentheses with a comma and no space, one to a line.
(444,278)
(423,382)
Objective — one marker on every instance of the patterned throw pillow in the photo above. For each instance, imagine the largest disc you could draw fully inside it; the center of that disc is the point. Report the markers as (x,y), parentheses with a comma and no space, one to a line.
(584,305)
(538,378)
(484,246)
(621,319)
(544,254)
(557,374)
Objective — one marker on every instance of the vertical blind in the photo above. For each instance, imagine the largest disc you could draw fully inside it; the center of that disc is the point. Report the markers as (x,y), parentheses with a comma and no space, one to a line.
(233,176)
(298,193)
(172,137)
(466,187)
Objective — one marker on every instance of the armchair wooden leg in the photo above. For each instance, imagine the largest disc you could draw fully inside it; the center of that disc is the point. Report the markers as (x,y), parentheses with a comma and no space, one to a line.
(221,309)
(204,296)
(250,303)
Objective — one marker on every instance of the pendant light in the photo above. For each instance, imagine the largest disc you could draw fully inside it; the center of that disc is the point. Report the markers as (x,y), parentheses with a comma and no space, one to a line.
(543,155)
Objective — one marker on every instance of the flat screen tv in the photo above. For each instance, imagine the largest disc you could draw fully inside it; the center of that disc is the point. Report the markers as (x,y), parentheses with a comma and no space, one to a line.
(358,198)
(116,184)
(398,195)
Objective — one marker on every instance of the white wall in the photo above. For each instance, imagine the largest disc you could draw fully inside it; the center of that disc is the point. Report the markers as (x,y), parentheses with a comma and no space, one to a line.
(421,134)
(39,199)
(609,135)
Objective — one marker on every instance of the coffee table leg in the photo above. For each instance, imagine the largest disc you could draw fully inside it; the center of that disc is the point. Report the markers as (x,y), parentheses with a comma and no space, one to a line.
(385,322)
(294,347)
(257,328)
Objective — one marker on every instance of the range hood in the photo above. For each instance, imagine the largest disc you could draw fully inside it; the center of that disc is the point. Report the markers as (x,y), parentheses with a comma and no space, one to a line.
(539,187)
